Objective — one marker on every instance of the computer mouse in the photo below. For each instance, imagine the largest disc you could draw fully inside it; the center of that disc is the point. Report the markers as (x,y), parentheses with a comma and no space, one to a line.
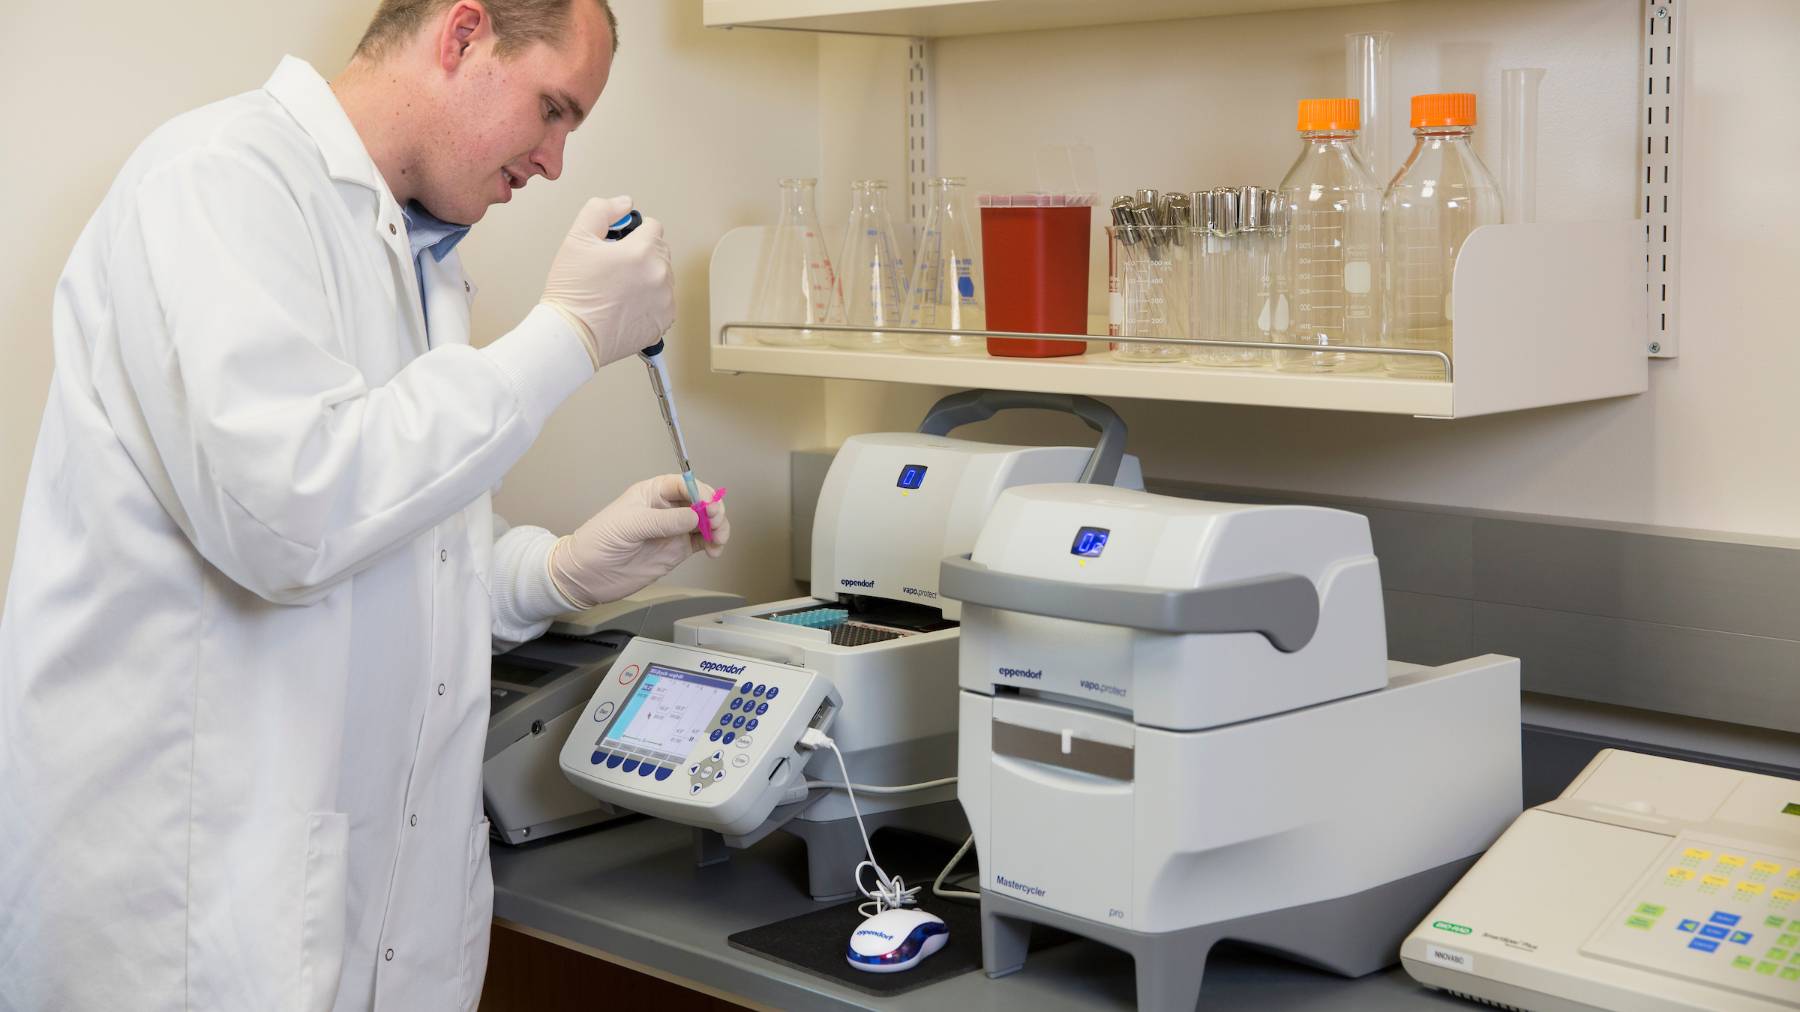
(896,940)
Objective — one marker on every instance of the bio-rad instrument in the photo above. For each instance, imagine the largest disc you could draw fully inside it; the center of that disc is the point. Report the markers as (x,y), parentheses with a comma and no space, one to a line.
(1649,884)
(876,631)
(539,690)
(1179,725)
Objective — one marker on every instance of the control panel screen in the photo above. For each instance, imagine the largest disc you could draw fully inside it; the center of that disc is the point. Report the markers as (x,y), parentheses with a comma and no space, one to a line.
(911,476)
(670,710)
(1090,542)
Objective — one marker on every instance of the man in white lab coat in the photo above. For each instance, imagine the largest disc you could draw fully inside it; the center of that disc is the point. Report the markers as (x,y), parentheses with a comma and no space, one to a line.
(244,657)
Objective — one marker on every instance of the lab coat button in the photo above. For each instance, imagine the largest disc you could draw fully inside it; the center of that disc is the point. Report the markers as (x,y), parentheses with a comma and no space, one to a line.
(389,955)
(443,555)
(412,820)
(392,231)
(440,688)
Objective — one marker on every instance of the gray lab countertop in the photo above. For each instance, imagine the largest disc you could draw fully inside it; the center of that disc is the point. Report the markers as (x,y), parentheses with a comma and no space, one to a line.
(631,890)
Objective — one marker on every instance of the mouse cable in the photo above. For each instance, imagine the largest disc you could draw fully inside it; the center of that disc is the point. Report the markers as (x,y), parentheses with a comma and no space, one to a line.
(890,892)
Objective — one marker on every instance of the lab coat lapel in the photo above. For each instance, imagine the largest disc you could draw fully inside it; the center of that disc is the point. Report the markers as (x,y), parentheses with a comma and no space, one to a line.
(448,296)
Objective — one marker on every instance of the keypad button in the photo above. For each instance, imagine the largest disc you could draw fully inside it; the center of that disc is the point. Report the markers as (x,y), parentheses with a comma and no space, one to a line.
(695,788)
(1704,945)
(762,708)
(1688,926)
(744,689)
(599,757)
(1713,931)
(759,690)
(751,726)
(738,722)
(729,735)
(773,689)
(737,702)
(1721,917)
(716,735)
(613,761)
(630,766)
(662,773)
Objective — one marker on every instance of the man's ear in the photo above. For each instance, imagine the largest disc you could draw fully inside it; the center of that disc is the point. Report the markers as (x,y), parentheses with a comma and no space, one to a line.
(465,23)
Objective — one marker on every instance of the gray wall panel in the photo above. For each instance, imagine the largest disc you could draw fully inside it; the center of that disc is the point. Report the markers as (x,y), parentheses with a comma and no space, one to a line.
(1427,629)
(1692,672)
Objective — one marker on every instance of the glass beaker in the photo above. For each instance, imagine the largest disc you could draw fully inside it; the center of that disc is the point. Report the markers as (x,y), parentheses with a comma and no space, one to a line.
(797,282)
(1147,283)
(1221,281)
(1331,256)
(870,272)
(946,289)
(1442,193)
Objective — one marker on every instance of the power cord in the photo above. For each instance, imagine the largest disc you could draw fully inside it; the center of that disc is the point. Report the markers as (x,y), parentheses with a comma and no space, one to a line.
(872,789)
(890,892)
(937,884)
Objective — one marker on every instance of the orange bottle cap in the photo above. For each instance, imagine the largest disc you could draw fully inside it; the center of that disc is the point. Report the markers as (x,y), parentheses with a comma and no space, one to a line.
(1452,109)
(1330,114)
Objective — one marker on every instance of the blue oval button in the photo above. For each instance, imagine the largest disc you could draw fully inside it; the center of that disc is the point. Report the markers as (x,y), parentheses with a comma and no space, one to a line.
(729,735)
(630,764)
(613,761)
(743,688)
(762,708)
(738,722)
(759,690)
(724,720)
(716,733)
(599,757)
(662,772)
(773,690)
(751,726)
(737,702)
(645,770)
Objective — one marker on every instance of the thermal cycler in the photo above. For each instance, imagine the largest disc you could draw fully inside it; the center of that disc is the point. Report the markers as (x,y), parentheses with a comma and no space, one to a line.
(872,655)
(1179,725)
(540,689)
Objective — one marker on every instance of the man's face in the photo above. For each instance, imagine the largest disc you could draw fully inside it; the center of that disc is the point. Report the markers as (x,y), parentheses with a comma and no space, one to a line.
(504,119)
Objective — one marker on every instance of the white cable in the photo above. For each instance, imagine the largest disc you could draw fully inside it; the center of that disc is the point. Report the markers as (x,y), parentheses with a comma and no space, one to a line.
(937,884)
(872,789)
(890,892)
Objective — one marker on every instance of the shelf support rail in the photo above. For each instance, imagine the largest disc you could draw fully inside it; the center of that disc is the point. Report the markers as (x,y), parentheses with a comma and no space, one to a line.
(1662,70)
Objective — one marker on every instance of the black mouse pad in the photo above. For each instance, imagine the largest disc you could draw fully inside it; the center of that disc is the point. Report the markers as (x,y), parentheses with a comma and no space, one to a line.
(816,943)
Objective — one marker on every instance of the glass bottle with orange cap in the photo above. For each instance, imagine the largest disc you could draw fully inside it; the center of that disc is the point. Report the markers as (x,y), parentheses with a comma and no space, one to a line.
(1332,252)
(1441,194)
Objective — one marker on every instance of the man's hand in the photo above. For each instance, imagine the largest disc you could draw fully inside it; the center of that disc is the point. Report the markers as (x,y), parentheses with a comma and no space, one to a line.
(641,537)
(619,296)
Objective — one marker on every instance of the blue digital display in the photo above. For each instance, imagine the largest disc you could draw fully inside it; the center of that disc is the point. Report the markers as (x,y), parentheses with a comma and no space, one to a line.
(1090,542)
(912,476)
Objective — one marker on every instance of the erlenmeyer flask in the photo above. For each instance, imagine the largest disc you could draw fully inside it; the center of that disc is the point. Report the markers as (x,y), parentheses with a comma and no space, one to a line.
(797,282)
(872,277)
(946,291)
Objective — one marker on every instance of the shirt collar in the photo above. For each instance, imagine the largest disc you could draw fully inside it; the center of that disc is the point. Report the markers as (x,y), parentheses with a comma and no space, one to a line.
(425,231)
(309,99)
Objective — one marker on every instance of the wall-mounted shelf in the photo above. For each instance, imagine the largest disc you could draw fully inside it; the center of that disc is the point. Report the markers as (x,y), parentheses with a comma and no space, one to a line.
(1546,314)
(941,18)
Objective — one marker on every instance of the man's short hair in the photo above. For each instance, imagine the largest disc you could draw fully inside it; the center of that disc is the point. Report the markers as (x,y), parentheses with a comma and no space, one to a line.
(517,23)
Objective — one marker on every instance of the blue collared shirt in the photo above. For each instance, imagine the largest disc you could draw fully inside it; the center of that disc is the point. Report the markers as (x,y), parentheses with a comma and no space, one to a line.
(425,232)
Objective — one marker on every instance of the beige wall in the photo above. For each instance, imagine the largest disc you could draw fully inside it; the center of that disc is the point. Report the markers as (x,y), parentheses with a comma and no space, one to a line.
(697,125)
(1210,102)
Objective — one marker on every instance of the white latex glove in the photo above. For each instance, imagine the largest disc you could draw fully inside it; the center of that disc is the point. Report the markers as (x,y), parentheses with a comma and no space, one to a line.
(619,296)
(641,537)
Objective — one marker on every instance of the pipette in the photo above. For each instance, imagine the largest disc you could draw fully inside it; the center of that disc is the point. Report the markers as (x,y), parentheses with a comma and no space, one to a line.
(665,397)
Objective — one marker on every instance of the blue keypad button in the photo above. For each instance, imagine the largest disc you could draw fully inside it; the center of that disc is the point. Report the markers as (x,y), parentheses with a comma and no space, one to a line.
(1741,937)
(724,720)
(1688,926)
(759,690)
(1721,917)
(743,688)
(1713,931)
(715,735)
(752,725)
(599,757)
(772,691)
(662,772)
(1703,944)
(613,761)
(738,722)
(737,702)
(630,765)
(762,708)
(730,736)
(646,769)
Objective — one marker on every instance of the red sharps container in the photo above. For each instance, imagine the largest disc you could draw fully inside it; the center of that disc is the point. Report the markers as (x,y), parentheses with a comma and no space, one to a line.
(1034,247)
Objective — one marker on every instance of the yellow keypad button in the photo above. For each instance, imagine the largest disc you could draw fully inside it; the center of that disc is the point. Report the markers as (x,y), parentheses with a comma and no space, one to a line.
(1785,895)
(1730,861)
(1766,867)
(1696,854)
(1681,874)
(1714,880)
(1750,888)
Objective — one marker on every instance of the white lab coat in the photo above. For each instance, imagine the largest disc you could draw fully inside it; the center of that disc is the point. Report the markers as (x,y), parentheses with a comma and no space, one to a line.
(244,658)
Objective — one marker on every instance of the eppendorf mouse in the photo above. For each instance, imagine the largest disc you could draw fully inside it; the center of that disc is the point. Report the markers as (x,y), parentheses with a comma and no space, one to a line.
(896,940)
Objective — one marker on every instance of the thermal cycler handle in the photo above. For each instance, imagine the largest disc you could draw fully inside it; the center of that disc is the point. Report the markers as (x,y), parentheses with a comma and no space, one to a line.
(1283,608)
(981,405)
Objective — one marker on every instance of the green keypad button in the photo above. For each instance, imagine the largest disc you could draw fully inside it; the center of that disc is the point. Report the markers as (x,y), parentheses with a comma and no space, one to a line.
(1788,940)
(1795,958)
(1790,973)
(1646,923)
(1777,954)
(1772,921)
(1767,969)
(1743,963)
(1653,910)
